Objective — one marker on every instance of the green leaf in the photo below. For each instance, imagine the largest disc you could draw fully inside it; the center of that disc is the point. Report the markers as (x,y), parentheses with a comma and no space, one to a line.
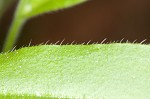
(29,8)
(111,71)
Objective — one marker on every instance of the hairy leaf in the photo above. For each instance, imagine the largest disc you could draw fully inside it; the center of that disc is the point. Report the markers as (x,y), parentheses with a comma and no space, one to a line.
(111,71)
(29,8)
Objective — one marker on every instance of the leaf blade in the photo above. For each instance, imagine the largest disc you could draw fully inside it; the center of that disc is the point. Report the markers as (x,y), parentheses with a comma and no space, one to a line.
(30,8)
(81,71)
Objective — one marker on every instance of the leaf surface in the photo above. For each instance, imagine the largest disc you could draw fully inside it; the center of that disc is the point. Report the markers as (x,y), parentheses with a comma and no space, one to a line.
(111,71)
(30,8)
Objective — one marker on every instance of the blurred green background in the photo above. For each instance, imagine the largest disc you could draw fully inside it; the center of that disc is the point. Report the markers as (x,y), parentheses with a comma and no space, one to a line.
(94,20)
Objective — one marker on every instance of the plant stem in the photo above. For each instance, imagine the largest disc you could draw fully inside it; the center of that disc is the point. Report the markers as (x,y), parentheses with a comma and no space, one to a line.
(14,31)
(13,34)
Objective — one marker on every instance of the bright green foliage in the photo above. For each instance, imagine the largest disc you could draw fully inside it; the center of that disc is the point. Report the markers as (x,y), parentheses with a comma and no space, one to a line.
(29,8)
(111,71)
